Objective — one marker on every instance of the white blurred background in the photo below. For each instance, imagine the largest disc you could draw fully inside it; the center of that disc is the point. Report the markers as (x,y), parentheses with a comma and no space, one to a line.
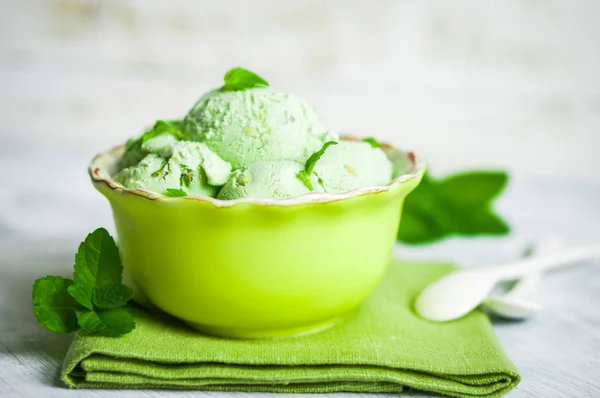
(507,83)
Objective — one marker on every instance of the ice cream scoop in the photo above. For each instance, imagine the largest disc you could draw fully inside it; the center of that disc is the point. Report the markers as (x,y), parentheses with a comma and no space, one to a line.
(159,143)
(255,125)
(278,179)
(352,164)
(153,173)
(194,156)
(137,148)
(187,166)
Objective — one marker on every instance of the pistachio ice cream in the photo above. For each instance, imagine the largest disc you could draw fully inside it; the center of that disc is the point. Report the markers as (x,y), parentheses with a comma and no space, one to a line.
(248,140)
(352,164)
(255,125)
(277,179)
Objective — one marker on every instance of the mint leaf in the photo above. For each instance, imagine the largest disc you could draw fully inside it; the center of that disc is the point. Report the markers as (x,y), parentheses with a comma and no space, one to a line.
(420,222)
(474,187)
(118,321)
(109,322)
(161,173)
(53,307)
(98,273)
(162,127)
(175,123)
(482,221)
(95,301)
(90,322)
(115,295)
(419,228)
(83,295)
(372,141)
(238,79)
(187,176)
(174,192)
(312,160)
(460,204)
(303,176)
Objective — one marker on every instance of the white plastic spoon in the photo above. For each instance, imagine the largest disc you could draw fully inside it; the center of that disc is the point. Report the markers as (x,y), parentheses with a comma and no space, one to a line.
(521,300)
(458,293)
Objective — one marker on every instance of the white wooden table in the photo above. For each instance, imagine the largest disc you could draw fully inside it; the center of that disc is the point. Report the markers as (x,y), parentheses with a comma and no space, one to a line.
(43,218)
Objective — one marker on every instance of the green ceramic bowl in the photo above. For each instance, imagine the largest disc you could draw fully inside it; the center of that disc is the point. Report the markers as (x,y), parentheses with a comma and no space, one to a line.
(257,268)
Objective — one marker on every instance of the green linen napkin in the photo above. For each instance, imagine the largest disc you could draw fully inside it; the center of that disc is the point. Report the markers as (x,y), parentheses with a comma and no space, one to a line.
(381,347)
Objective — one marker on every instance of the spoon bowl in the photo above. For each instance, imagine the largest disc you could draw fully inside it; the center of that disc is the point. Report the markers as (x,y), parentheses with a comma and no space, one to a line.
(455,295)
(510,307)
(521,300)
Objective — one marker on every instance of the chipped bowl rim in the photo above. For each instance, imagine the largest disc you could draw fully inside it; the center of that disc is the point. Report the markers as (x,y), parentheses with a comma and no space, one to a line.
(417,167)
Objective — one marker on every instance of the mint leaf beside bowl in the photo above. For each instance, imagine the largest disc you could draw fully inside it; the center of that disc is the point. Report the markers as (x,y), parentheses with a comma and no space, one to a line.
(460,204)
(95,301)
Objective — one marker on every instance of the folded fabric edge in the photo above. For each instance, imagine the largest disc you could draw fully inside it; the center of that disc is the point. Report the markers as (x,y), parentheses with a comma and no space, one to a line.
(139,374)
(239,385)
(105,380)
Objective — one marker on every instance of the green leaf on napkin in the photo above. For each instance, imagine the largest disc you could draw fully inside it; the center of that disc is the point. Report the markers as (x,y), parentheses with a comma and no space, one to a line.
(53,307)
(460,204)
(238,79)
(95,300)
(98,273)
(111,322)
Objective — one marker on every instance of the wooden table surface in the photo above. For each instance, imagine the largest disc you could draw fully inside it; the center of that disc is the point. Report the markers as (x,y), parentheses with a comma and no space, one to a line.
(43,219)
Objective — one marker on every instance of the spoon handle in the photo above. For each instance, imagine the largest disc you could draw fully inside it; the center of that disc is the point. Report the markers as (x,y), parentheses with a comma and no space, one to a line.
(545,262)
(527,287)
(544,247)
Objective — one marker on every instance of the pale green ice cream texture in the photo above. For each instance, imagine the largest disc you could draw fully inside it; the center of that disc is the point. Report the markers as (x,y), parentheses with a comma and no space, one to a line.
(276,179)
(136,149)
(352,164)
(251,143)
(189,166)
(196,156)
(256,125)
(153,173)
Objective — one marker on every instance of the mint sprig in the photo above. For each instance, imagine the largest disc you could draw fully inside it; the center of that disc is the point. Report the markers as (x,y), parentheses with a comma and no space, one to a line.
(113,322)
(187,175)
(460,204)
(174,192)
(312,160)
(95,301)
(161,172)
(53,306)
(304,175)
(238,79)
(162,127)
(372,141)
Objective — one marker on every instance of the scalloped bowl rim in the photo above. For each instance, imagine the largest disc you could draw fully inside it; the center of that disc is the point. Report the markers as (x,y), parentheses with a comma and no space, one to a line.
(98,175)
